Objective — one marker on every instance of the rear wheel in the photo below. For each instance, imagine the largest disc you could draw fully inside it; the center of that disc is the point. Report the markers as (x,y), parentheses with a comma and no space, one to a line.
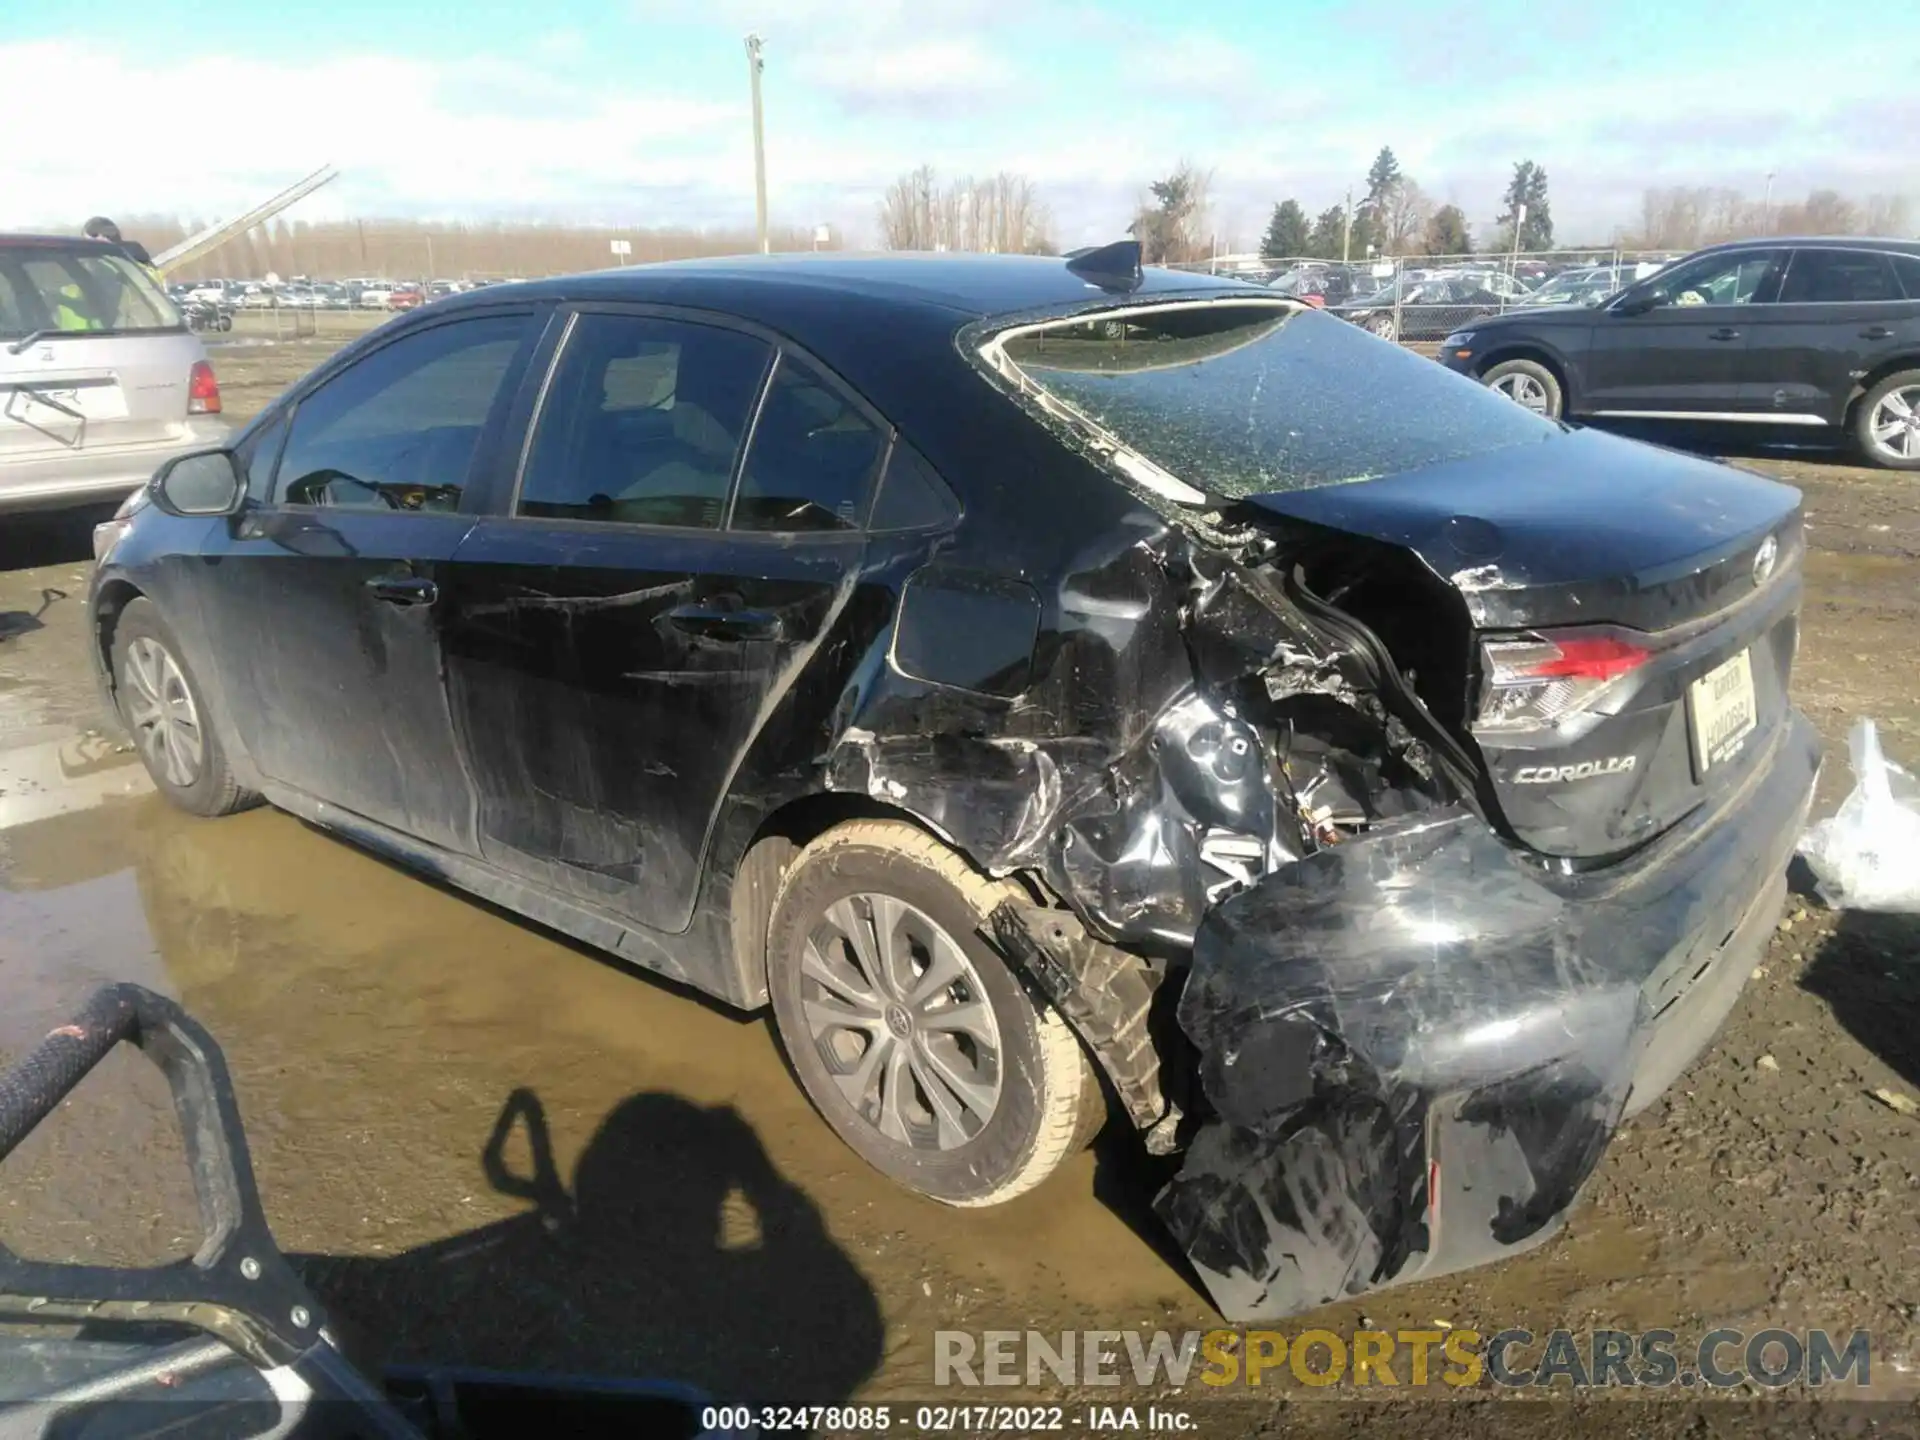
(1381,325)
(1527,383)
(1887,422)
(913,1037)
(168,717)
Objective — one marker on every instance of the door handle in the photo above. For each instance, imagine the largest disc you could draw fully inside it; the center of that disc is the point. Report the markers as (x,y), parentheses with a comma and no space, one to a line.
(1723,334)
(404,589)
(1875,332)
(715,622)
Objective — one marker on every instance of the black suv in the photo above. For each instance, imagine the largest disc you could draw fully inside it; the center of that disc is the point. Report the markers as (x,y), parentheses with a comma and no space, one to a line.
(1818,334)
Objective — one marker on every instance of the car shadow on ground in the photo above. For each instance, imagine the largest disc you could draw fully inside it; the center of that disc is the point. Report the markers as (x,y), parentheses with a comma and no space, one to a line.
(679,1254)
(51,537)
(1868,972)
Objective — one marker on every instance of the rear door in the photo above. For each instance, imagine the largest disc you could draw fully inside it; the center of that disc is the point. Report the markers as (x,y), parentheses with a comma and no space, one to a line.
(1682,358)
(1840,313)
(323,602)
(109,362)
(686,529)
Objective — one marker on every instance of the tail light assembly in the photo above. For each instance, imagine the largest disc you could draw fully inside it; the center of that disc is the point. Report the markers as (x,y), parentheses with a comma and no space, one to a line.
(203,391)
(1536,682)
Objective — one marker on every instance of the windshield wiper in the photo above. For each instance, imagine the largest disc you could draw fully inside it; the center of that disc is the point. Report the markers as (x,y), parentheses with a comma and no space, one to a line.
(32,335)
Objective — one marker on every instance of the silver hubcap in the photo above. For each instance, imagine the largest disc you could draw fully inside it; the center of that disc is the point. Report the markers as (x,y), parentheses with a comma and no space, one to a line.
(1524,390)
(161,712)
(1895,425)
(901,1021)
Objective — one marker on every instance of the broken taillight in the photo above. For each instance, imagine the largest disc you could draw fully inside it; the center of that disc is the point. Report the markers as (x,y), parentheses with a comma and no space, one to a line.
(1534,681)
(203,391)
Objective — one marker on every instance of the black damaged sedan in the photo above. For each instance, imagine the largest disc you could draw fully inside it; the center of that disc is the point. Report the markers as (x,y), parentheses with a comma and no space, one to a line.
(1048,686)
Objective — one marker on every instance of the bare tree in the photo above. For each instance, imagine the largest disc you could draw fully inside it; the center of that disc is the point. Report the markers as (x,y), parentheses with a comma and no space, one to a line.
(1401,213)
(1171,219)
(1001,213)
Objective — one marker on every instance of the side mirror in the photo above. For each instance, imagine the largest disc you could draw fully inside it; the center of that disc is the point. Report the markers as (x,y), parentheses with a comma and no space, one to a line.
(1638,302)
(207,482)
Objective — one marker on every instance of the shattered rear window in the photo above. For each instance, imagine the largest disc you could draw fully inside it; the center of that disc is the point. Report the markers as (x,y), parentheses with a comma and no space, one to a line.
(1245,399)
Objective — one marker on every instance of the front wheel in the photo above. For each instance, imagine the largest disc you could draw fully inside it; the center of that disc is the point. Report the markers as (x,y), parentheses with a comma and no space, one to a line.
(913,1038)
(1527,383)
(1381,325)
(1887,424)
(168,717)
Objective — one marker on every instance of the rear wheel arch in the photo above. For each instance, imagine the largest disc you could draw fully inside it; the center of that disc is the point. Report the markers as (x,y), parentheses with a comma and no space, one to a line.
(1864,386)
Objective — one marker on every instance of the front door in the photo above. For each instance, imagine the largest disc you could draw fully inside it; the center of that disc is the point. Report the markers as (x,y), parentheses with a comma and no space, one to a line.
(323,604)
(651,602)
(1840,314)
(1683,356)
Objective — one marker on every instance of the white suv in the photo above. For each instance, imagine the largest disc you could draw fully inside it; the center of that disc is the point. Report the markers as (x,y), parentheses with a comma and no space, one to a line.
(100,378)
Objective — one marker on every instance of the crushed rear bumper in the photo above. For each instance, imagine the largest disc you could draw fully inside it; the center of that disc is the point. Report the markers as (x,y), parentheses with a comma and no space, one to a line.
(1415,1046)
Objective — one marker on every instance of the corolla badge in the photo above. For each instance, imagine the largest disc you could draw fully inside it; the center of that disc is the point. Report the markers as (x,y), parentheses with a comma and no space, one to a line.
(1764,559)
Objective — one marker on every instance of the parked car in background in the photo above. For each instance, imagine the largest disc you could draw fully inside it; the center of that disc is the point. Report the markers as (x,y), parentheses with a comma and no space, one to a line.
(1817,338)
(1564,291)
(406,297)
(1387,789)
(100,378)
(373,295)
(1424,309)
(1325,284)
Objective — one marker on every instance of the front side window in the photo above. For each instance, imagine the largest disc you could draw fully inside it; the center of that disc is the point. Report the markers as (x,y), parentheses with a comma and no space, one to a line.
(812,458)
(397,429)
(1236,399)
(643,423)
(1746,277)
(79,292)
(1838,277)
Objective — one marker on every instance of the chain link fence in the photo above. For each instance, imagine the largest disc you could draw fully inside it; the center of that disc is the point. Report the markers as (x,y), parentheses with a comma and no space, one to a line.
(1420,299)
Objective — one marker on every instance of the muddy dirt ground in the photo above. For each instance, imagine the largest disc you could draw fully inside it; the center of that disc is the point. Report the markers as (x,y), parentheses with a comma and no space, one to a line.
(490,1145)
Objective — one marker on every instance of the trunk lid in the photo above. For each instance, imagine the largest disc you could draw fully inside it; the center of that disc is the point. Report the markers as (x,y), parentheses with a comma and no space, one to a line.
(1634,615)
(92,355)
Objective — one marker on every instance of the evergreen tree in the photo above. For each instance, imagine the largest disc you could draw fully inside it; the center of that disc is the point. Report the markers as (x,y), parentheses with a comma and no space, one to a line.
(1529,188)
(1287,232)
(1327,233)
(1447,232)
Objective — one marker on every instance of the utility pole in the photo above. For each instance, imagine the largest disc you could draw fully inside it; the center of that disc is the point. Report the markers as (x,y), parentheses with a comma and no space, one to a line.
(1346,231)
(754,66)
(1766,208)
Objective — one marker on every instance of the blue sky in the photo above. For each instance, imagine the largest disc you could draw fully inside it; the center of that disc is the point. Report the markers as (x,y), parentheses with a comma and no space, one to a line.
(634,112)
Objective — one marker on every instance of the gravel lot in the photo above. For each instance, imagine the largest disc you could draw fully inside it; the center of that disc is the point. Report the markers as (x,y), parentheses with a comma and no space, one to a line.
(684,1213)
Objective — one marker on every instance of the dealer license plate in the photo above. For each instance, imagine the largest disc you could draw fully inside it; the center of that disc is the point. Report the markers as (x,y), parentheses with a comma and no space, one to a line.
(1722,709)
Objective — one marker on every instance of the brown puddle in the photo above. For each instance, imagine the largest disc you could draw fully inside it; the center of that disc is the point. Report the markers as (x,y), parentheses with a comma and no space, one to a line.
(694,1211)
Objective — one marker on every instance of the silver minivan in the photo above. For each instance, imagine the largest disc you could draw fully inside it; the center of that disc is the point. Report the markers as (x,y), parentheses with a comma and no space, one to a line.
(100,378)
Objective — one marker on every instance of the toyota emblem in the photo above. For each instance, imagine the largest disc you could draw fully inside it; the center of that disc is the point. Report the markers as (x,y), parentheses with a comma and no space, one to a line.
(1764,559)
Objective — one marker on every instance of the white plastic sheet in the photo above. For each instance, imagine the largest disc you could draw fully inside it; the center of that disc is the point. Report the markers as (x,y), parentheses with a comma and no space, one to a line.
(1867,857)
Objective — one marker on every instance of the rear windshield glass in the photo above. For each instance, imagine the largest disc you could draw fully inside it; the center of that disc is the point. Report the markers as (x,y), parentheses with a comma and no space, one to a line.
(1238,399)
(97,291)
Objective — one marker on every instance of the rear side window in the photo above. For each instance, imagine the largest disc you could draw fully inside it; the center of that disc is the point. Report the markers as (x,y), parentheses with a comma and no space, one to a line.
(1233,399)
(1907,267)
(92,292)
(397,429)
(812,459)
(1838,277)
(643,422)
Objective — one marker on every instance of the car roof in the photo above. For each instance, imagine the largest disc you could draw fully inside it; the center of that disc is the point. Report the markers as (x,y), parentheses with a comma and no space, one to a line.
(1840,242)
(768,288)
(50,242)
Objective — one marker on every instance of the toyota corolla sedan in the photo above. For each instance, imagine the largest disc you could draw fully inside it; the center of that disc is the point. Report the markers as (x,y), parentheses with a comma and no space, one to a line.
(1036,682)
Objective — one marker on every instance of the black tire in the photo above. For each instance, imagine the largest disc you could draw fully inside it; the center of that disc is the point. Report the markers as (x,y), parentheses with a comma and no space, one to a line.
(1049,1103)
(206,785)
(1868,410)
(1533,370)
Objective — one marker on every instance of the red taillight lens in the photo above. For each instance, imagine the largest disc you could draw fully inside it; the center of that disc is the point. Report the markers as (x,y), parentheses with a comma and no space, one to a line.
(203,391)
(1533,682)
